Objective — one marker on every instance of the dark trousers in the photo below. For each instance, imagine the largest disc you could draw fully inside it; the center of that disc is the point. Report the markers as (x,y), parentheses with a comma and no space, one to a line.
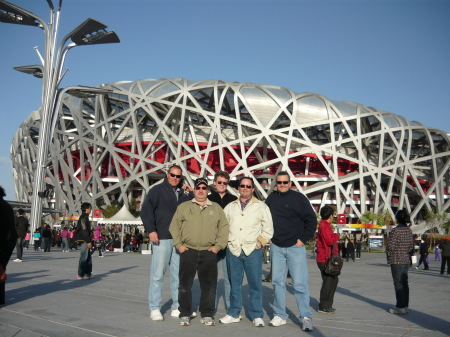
(19,248)
(351,255)
(204,263)
(423,258)
(329,285)
(85,263)
(358,254)
(445,259)
(400,277)
(47,244)
(37,244)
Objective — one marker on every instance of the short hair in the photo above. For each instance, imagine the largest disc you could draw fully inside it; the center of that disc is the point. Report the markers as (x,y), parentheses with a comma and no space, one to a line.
(402,216)
(175,166)
(249,178)
(222,174)
(2,192)
(21,211)
(283,173)
(326,212)
(85,206)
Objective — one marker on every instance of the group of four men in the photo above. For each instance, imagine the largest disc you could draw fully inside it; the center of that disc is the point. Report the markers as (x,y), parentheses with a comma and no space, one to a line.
(194,232)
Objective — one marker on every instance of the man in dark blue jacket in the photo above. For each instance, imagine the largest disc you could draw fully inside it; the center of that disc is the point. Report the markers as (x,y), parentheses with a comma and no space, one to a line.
(156,213)
(294,223)
(83,235)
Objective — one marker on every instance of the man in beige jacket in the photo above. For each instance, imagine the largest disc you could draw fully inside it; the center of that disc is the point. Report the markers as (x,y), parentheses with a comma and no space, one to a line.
(199,229)
(250,229)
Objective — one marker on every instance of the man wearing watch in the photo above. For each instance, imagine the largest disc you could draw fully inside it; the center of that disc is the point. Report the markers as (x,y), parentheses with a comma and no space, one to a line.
(250,228)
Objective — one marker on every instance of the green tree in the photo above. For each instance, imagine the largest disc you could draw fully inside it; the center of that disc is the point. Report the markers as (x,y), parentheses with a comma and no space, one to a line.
(132,207)
(109,211)
(434,220)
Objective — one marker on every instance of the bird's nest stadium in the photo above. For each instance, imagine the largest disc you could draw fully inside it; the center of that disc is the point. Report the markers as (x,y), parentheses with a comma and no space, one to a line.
(113,147)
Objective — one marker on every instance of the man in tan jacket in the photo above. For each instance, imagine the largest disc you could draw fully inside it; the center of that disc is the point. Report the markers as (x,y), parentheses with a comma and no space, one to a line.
(250,229)
(199,229)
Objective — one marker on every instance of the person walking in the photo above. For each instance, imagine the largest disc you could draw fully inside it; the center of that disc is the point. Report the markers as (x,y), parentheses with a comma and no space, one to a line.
(83,234)
(358,247)
(200,230)
(47,235)
(37,239)
(423,252)
(22,226)
(399,247)
(156,213)
(98,240)
(445,247)
(251,228)
(65,239)
(26,243)
(327,240)
(223,198)
(351,250)
(437,253)
(294,222)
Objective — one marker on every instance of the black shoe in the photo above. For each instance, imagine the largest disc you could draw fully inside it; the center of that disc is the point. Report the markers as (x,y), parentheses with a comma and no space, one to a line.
(266,280)
(325,311)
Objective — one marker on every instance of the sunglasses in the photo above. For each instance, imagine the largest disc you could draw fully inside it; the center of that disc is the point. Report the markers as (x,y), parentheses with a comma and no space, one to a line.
(198,188)
(222,183)
(282,182)
(175,175)
(246,186)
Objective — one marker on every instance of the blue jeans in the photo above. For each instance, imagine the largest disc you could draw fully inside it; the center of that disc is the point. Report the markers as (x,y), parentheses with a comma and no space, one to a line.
(85,264)
(294,258)
(252,265)
(400,277)
(222,262)
(164,254)
(65,244)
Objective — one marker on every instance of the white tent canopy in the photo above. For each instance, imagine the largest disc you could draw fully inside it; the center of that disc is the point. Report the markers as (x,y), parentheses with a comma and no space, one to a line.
(122,217)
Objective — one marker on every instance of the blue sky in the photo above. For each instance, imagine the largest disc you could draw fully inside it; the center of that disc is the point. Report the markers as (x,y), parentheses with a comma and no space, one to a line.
(391,55)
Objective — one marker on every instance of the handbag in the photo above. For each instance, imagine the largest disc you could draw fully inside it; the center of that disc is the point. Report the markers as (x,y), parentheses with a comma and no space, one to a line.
(413,259)
(334,264)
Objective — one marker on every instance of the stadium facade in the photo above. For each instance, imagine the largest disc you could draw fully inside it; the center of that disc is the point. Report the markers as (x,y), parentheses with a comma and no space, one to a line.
(115,146)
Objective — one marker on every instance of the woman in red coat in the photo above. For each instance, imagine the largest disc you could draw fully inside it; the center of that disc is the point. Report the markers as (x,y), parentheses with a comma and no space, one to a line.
(326,238)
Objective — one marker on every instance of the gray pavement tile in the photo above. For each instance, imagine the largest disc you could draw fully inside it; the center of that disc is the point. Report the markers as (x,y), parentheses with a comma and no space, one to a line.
(45,298)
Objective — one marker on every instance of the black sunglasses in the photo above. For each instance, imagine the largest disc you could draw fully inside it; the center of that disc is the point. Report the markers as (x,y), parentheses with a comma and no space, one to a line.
(175,175)
(222,183)
(198,188)
(282,182)
(246,186)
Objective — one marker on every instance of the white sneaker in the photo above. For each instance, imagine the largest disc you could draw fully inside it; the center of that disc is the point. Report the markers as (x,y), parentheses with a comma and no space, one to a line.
(307,324)
(17,260)
(258,322)
(277,321)
(398,311)
(209,321)
(229,319)
(176,313)
(155,315)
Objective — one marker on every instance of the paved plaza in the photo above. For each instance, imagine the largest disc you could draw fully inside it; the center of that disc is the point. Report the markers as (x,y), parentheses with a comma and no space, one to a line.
(44,298)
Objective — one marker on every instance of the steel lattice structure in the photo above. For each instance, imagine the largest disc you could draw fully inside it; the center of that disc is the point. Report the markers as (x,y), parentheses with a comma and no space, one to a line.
(115,146)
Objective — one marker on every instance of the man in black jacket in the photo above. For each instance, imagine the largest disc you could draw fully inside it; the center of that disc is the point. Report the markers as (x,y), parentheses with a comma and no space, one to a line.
(423,251)
(223,198)
(445,247)
(294,223)
(21,228)
(83,235)
(156,213)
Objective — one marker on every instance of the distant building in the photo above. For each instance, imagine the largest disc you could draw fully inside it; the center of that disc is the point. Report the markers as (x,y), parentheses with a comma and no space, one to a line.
(115,146)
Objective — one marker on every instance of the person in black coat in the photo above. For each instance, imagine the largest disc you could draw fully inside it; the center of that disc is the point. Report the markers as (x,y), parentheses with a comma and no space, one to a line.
(8,237)
(22,226)
(423,251)
(350,250)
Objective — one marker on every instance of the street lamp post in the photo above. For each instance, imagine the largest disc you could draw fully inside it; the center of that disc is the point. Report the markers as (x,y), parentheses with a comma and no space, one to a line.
(89,32)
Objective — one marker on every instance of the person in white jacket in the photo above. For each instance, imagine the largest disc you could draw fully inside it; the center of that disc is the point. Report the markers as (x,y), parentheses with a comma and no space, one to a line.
(251,227)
